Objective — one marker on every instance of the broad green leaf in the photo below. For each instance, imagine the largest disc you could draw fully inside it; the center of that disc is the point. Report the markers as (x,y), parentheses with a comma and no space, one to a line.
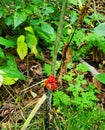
(32,43)
(19,17)
(1,13)
(100,29)
(10,69)
(22,48)
(2,56)
(6,43)
(9,20)
(9,81)
(11,61)
(48,10)
(37,2)
(73,16)
(19,3)
(34,50)
(32,40)
(47,28)
(10,72)
(101,77)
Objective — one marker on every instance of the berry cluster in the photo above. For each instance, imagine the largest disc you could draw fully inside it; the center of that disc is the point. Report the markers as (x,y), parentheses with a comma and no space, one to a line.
(51,83)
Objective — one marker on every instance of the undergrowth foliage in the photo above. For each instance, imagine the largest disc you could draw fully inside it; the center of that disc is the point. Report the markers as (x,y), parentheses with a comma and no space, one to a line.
(28,27)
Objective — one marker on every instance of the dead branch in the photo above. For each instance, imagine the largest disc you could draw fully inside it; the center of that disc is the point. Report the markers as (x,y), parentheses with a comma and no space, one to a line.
(92,69)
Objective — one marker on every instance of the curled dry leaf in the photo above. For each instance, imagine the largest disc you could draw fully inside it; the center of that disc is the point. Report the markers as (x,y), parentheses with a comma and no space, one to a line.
(7,109)
(36,69)
(97,84)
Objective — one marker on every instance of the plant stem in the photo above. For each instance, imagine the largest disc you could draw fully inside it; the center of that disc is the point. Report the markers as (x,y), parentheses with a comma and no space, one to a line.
(59,34)
(55,52)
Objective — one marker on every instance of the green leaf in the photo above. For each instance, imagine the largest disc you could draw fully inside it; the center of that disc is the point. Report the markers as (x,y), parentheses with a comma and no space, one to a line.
(60,98)
(100,29)
(1,13)
(9,20)
(73,16)
(101,77)
(82,68)
(9,81)
(11,73)
(48,10)
(11,61)
(10,69)
(19,17)
(22,48)
(47,28)
(32,40)
(37,2)
(29,29)
(6,43)
(2,56)
(47,69)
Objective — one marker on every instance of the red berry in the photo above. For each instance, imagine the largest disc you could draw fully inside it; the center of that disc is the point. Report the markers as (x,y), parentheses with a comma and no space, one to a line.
(51,83)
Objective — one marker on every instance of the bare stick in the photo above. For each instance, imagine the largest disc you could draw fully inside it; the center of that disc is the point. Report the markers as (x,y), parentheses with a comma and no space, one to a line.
(32,114)
(92,69)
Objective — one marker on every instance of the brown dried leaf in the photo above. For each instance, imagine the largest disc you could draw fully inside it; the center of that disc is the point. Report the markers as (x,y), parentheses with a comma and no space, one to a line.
(7,109)
(36,69)
(82,13)
(97,84)
(66,58)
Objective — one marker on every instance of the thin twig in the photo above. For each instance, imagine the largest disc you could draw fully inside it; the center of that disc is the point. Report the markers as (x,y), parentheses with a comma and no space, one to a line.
(32,86)
(95,10)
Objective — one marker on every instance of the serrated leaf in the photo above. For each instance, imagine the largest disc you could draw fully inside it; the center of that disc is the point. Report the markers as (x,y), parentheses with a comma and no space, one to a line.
(22,48)
(101,77)
(47,69)
(60,97)
(47,28)
(19,17)
(82,68)
(100,29)
(6,43)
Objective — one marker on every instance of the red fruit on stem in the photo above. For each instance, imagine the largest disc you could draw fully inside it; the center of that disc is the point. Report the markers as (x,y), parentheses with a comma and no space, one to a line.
(51,83)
